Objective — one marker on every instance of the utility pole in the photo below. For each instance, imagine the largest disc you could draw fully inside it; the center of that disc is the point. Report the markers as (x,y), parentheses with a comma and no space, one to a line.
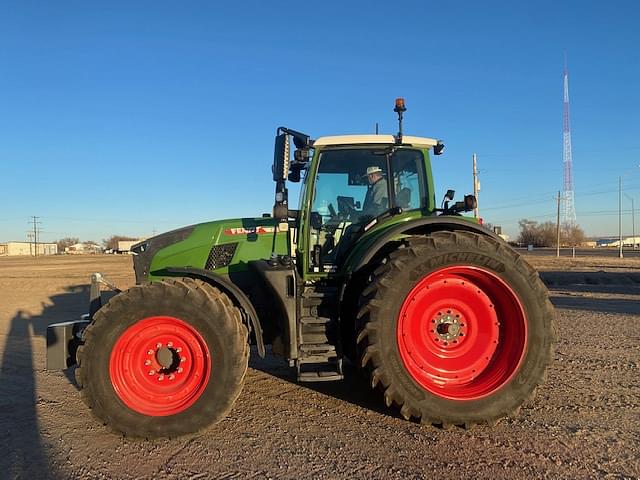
(633,224)
(30,240)
(621,255)
(35,234)
(475,184)
(558,229)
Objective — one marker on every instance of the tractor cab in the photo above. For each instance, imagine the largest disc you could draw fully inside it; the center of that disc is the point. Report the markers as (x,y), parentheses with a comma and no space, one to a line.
(351,185)
(355,183)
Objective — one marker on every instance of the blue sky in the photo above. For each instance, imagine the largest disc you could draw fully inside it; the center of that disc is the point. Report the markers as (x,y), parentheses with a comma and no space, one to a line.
(135,117)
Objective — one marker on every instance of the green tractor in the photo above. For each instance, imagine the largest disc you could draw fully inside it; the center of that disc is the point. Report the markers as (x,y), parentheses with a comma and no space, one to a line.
(445,319)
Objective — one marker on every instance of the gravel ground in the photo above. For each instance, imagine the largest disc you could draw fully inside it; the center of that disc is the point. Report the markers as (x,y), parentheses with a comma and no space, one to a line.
(584,423)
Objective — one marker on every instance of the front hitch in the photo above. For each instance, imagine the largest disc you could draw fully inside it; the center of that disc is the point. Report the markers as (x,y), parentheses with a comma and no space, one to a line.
(63,339)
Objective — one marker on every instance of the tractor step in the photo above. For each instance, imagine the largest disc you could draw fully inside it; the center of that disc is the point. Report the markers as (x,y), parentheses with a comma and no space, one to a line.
(315,331)
(320,368)
(316,349)
(319,363)
(315,320)
(319,355)
(320,376)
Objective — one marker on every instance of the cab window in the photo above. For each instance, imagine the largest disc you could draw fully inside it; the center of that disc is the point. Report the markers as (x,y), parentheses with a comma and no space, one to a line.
(353,186)
(408,175)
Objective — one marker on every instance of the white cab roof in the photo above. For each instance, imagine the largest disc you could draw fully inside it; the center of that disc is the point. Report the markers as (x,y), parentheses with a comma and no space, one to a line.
(374,140)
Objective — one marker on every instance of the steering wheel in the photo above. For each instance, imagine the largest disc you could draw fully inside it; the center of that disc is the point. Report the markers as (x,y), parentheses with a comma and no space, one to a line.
(332,211)
(351,211)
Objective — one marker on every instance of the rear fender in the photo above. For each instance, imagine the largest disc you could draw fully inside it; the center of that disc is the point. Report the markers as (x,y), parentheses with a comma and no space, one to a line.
(420,227)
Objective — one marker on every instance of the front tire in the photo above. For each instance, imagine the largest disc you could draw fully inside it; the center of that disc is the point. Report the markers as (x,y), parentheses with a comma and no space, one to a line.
(456,329)
(164,359)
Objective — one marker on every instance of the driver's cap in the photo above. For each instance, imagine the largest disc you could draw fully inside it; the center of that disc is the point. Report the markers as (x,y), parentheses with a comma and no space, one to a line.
(371,170)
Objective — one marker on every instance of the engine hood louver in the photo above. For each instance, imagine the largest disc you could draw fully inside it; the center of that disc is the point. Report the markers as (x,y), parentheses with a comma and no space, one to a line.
(221,255)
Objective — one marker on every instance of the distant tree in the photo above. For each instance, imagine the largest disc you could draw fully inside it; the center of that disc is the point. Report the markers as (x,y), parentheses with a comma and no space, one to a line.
(111,243)
(66,242)
(527,234)
(537,234)
(571,235)
(546,234)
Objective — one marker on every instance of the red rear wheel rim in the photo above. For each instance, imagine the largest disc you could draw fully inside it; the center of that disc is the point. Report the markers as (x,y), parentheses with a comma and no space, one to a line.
(160,366)
(462,333)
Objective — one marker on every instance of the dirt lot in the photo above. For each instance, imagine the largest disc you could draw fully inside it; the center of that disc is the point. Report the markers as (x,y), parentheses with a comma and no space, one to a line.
(585,422)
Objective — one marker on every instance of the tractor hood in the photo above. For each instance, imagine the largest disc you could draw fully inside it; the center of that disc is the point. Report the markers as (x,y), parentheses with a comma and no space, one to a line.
(221,246)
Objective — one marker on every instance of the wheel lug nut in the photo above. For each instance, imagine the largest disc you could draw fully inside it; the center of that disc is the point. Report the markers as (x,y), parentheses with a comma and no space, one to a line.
(158,345)
(147,362)
(170,344)
(179,349)
(152,372)
(172,377)
(179,370)
(160,378)
(150,352)
(183,359)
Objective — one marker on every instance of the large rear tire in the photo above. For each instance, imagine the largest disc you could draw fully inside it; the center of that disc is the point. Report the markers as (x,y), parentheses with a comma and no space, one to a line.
(163,359)
(456,329)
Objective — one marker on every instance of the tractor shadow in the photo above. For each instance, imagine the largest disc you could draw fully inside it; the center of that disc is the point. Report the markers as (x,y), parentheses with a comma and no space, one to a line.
(25,454)
(354,389)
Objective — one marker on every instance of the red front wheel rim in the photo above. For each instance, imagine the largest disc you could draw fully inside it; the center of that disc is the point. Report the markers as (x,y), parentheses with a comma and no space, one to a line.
(462,333)
(160,366)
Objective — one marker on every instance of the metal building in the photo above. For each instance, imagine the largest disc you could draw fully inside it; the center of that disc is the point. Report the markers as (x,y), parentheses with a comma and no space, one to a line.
(27,248)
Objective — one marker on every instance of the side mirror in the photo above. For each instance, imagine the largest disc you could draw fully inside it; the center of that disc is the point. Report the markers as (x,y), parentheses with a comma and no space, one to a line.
(438,149)
(315,219)
(294,175)
(300,162)
(448,197)
(470,202)
(281,157)
(301,155)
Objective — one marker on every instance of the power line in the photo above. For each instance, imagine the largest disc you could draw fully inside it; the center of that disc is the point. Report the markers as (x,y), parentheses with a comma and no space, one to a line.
(548,198)
(535,156)
(145,221)
(551,216)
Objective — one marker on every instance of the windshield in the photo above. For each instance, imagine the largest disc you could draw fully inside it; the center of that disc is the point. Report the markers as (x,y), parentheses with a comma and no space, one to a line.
(352,186)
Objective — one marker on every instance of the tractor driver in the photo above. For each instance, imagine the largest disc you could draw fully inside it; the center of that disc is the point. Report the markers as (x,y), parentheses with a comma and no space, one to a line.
(376,200)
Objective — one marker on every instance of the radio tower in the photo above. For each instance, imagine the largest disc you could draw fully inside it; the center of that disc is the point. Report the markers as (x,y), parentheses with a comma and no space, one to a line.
(569,216)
